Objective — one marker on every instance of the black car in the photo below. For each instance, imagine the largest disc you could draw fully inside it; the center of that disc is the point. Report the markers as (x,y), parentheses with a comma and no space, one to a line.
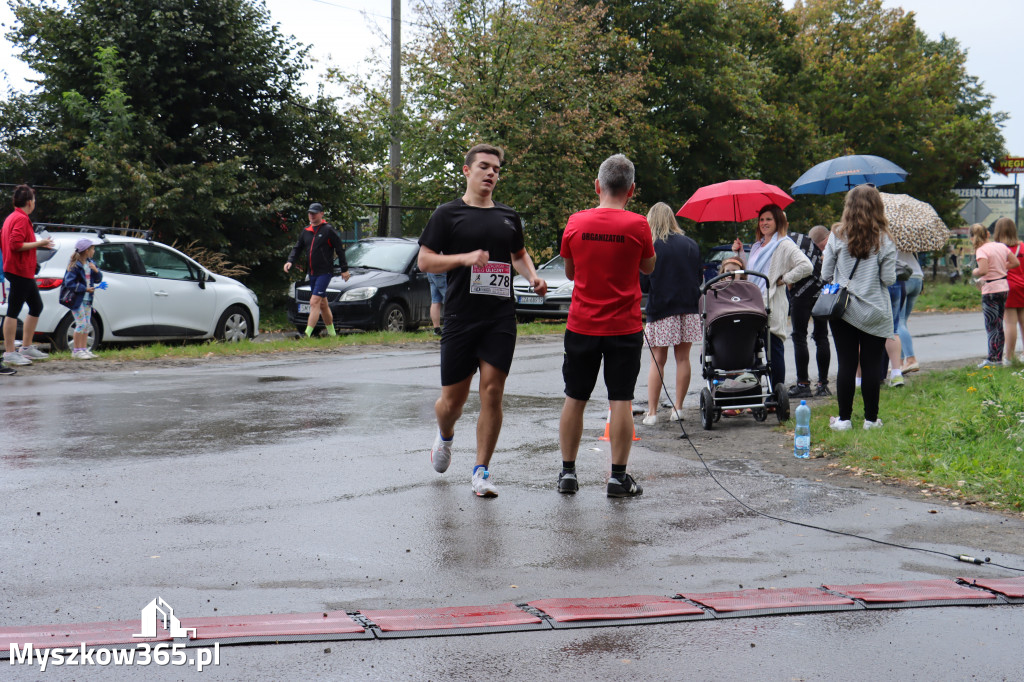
(385,291)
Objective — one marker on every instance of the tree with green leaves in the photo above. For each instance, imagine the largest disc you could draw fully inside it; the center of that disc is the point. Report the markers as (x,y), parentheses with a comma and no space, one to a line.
(882,87)
(180,117)
(533,77)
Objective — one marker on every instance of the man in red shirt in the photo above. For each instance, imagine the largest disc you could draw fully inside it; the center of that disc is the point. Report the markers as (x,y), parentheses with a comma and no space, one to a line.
(604,249)
(18,242)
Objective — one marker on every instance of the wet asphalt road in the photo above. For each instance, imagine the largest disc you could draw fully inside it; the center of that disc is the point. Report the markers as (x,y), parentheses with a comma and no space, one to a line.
(303,484)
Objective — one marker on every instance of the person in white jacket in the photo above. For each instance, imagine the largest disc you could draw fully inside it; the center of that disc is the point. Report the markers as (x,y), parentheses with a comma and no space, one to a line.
(782,261)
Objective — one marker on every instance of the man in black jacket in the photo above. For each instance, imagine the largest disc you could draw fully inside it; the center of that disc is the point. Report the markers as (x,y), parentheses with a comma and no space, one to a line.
(801,299)
(320,241)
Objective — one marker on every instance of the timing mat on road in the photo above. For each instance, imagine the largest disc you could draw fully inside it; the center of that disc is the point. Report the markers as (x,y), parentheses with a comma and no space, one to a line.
(542,614)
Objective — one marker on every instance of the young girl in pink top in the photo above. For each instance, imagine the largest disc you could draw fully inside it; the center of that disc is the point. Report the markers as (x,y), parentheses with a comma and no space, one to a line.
(994,260)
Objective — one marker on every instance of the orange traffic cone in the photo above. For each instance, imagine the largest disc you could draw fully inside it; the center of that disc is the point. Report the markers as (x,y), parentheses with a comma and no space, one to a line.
(608,424)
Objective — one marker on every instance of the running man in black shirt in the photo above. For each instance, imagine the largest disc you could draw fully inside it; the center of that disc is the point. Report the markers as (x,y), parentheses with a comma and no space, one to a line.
(318,240)
(476,241)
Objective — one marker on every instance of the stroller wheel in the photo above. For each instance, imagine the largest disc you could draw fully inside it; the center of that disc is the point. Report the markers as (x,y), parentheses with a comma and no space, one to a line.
(707,409)
(760,414)
(781,403)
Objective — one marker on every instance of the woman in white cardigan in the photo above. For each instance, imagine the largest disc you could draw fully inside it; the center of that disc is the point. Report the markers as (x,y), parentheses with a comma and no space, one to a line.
(778,257)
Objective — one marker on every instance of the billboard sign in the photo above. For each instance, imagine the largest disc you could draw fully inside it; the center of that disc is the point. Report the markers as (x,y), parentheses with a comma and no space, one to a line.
(1010,164)
(988,203)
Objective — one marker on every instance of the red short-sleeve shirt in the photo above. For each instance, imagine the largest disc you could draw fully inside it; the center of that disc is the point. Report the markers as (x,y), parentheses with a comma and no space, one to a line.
(606,246)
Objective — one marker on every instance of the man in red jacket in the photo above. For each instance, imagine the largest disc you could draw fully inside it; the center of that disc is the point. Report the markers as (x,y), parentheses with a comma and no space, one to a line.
(18,242)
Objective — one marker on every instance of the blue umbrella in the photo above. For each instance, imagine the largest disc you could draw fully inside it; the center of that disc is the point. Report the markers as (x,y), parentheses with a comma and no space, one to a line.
(845,172)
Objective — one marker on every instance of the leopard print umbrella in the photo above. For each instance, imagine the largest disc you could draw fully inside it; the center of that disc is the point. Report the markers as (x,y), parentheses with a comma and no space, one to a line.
(914,224)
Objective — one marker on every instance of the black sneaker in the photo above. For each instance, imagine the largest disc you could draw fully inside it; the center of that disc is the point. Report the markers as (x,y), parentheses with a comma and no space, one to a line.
(800,391)
(567,483)
(624,487)
(4,369)
(822,391)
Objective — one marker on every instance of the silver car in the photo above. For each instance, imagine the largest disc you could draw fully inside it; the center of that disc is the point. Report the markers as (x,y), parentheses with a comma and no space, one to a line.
(154,293)
(555,303)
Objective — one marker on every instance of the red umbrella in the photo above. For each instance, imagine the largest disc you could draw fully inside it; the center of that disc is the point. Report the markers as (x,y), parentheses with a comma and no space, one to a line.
(732,201)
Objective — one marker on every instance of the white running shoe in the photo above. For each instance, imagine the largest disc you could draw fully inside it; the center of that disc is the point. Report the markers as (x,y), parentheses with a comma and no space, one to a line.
(877,424)
(81,354)
(92,356)
(481,486)
(650,419)
(441,453)
(676,416)
(837,424)
(16,358)
(33,353)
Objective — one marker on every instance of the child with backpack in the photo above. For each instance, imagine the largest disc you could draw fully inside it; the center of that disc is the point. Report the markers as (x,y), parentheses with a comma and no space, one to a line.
(80,282)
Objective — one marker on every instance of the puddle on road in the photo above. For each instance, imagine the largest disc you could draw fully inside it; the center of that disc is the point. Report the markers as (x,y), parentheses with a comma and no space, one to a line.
(176,416)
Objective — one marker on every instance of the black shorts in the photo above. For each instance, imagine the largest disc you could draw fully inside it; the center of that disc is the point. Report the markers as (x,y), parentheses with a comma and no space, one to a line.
(465,343)
(582,360)
(23,290)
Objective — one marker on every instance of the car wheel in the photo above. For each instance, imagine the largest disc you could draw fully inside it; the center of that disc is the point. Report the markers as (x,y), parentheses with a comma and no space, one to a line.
(234,325)
(393,318)
(63,337)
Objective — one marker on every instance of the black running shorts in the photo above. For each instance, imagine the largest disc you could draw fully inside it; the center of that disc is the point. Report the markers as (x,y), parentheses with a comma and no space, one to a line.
(582,360)
(465,343)
(23,290)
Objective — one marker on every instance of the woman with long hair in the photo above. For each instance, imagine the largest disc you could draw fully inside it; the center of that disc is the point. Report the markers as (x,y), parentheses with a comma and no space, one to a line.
(672,321)
(778,257)
(994,261)
(1013,316)
(861,256)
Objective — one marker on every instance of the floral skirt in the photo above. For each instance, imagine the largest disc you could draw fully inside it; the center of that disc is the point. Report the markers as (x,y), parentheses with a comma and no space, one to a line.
(673,330)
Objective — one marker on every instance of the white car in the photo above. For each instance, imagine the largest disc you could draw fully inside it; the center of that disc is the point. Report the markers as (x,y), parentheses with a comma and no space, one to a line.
(153,293)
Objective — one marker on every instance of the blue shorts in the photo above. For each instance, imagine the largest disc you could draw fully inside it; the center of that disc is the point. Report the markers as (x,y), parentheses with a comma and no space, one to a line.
(318,284)
(438,286)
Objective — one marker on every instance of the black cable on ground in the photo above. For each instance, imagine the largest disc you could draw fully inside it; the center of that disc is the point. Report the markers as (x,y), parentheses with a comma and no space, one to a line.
(957,557)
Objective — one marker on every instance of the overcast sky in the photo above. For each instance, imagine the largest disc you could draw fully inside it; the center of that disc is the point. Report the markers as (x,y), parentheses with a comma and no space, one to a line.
(345,32)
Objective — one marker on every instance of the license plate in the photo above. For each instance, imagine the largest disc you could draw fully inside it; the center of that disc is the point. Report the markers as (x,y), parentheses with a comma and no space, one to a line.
(530,300)
(303,307)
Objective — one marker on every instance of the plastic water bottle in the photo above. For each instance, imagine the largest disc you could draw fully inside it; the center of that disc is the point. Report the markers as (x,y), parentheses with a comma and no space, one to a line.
(802,439)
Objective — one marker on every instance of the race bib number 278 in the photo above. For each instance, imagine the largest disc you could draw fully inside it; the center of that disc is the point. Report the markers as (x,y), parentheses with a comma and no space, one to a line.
(493,279)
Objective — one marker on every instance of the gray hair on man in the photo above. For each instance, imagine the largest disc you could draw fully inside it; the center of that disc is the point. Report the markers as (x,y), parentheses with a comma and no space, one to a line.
(818,233)
(616,175)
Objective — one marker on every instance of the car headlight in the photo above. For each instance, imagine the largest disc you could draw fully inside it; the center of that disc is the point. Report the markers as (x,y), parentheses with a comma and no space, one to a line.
(565,288)
(291,290)
(252,295)
(359,294)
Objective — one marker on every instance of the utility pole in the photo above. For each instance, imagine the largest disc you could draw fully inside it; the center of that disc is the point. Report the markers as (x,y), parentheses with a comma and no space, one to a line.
(396,96)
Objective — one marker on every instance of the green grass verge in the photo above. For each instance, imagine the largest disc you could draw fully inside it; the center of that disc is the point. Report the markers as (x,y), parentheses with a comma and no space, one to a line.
(193,349)
(945,297)
(961,430)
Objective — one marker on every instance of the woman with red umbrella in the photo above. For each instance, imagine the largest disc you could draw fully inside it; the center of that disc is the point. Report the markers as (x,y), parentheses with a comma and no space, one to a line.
(782,261)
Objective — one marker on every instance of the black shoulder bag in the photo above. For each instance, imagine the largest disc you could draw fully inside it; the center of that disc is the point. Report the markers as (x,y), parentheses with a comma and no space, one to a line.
(833,299)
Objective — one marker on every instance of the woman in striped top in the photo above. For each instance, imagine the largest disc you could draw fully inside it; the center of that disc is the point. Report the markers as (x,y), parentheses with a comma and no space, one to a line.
(861,255)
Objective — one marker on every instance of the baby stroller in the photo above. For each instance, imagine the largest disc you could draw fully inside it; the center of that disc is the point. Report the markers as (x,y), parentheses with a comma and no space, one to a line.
(736,357)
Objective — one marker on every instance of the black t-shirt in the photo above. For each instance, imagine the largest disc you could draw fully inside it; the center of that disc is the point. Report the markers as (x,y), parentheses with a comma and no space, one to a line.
(457,227)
